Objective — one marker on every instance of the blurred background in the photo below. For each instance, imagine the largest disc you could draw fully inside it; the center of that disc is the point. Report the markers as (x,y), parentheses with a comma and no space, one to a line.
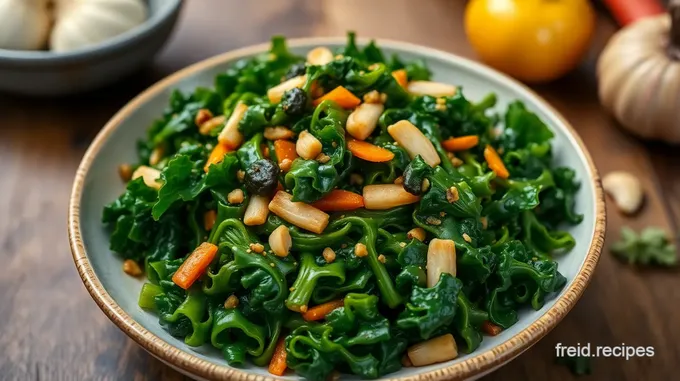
(51,329)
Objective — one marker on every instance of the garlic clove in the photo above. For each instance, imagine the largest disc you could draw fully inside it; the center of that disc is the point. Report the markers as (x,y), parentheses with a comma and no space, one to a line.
(25,24)
(82,23)
(625,189)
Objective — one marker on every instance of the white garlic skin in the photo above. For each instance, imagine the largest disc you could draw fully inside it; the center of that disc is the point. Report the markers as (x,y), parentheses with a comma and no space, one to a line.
(25,24)
(81,23)
(639,83)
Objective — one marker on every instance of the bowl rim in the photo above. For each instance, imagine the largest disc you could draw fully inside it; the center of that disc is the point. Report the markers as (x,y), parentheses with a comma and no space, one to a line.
(477,365)
(120,41)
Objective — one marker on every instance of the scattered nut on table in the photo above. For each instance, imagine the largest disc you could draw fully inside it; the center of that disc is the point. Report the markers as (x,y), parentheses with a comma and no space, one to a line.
(625,189)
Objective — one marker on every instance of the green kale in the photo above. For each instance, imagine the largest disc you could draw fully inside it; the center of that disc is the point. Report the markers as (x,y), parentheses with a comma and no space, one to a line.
(651,246)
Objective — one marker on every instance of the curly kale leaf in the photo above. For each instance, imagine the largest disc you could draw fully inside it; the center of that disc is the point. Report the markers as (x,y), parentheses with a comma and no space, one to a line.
(651,246)
(429,310)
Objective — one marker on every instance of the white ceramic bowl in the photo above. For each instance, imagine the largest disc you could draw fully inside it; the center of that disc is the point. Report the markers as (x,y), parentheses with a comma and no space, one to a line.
(97,184)
(49,73)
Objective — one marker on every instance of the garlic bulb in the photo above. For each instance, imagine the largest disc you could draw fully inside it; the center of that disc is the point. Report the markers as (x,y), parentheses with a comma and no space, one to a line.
(80,23)
(639,76)
(25,24)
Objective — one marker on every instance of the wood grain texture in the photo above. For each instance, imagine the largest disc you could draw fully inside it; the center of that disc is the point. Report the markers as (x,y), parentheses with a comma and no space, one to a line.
(49,327)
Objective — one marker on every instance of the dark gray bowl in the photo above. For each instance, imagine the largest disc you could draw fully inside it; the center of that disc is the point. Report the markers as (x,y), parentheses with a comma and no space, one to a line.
(49,73)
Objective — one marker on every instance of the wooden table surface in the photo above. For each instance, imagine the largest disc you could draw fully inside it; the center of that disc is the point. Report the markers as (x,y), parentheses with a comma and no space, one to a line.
(50,328)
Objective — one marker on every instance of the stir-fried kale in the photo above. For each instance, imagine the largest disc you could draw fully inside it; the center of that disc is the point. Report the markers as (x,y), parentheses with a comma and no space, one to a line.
(353,296)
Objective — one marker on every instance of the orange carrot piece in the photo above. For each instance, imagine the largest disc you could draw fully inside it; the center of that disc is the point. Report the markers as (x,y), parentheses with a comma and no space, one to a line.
(319,312)
(277,365)
(194,266)
(339,200)
(285,149)
(461,143)
(490,328)
(341,96)
(216,156)
(401,77)
(369,152)
(495,162)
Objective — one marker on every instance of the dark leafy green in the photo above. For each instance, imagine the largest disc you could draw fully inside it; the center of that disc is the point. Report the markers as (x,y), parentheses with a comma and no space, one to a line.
(373,263)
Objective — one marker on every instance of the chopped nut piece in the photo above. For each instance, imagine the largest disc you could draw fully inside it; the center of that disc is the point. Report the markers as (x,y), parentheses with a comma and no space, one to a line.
(363,120)
(231,302)
(452,195)
(307,146)
(150,175)
(382,259)
(426,185)
(484,221)
(156,155)
(414,141)
(281,241)
(433,221)
(285,165)
(360,250)
(209,219)
(298,213)
(319,56)
(386,196)
(275,94)
(236,196)
(434,89)
(256,211)
(279,132)
(230,135)
(457,162)
(256,247)
(211,124)
(372,97)
(356,179)
(203,115)
(399,180)
(323,158)
(125,172)
(131,268)
(240,175)
(467,238)
(417,233)
(328,255)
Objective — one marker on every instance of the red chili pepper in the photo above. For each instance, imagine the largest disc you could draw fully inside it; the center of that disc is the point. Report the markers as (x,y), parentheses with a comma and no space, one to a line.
(629,11)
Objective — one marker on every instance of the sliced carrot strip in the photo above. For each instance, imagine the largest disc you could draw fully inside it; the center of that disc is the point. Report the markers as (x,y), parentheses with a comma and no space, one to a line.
(495,162)
(285,149)
(490,328)
(339,200)
(461,143)
(341,96)
(277,365)
(401,77)
(319,312)
(216,156)
(194,266)
(369,152)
